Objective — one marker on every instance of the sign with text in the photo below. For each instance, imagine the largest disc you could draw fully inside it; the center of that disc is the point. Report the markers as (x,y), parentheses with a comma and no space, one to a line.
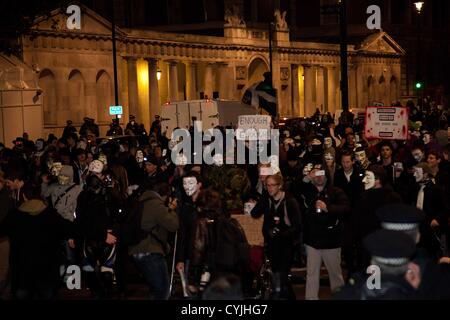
(253,127)
(115,110)
(390,123)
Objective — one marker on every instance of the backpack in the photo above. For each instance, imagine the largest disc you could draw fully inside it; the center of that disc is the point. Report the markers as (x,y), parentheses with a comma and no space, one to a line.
(232,250)
(131,232)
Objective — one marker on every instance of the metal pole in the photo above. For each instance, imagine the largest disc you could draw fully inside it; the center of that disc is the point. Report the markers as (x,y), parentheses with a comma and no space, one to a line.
(419,57)
(114,52)
(270,53)
(344,62)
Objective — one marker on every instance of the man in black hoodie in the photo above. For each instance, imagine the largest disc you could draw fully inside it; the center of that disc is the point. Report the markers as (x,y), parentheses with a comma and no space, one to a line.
(35,231)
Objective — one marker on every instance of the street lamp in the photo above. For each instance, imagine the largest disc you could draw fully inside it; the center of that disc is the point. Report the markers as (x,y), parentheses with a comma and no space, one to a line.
(158,74)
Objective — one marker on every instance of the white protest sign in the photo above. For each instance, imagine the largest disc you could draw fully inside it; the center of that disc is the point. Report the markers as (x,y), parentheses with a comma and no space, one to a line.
(390,123)
(253,127)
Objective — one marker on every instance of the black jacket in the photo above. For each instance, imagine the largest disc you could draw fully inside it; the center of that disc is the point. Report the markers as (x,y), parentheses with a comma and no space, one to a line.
(352,189)
(35,231)
(364,217)
(289,234)
(323,230)
(96,213)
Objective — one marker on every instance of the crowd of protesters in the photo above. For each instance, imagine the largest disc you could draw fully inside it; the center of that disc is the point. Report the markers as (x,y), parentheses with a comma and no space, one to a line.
(103,203)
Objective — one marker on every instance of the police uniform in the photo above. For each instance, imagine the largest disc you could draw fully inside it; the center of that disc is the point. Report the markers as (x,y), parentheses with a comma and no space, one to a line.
(387,248)
(435,279)
(400,217)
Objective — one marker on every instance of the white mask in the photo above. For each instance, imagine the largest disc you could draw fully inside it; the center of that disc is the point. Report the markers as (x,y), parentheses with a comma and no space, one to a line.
(418,155)
(248,207)
(63,180)
(82,145)
(218,160)
(418,174)
(190,185)
(369,180)
(39,145)
(307,169)
(56,168)
(103,159)
(398,169)
(328,157)
(327,143)
(139,156)
(360,156)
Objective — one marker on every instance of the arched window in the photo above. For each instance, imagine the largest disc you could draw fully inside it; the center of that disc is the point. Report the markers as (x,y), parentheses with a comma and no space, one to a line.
(104,96)
(47,84)
(76,96)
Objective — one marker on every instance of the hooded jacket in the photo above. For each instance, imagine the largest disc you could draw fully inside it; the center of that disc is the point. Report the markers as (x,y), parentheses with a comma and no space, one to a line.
(158,221)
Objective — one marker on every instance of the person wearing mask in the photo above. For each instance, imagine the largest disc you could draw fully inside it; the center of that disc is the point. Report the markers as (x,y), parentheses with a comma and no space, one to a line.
(192,186)
(324,208)
(96,221)
(329,161)
(281,230)
(376,195)
(430,198)
(63,198)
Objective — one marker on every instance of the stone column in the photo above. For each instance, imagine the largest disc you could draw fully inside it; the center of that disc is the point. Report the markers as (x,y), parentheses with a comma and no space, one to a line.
(224,81)
(320,88)
(295,91)
(173,81)
(209,81)
(309,90)
(191,81)
(332,86)
(153,88)
(133,96)
(352,86)
(61,112)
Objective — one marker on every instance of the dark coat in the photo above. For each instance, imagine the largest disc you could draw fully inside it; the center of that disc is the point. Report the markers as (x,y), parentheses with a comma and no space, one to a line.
(352,189)
(324,230)
(364,217)
(96,213)
(289,234)
(35,231)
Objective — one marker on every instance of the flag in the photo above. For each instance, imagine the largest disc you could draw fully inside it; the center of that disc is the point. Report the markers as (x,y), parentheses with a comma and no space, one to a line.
(261,95)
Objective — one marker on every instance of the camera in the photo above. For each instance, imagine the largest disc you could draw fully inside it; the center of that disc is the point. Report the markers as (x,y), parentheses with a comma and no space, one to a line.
(108,181)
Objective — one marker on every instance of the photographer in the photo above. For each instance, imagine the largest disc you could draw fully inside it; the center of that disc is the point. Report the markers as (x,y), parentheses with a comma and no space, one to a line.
(324,208)
(281,230)
(158,220)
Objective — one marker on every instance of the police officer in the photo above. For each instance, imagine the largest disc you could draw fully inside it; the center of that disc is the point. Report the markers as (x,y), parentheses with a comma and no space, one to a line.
(394,277)
(133,125)
(434,280)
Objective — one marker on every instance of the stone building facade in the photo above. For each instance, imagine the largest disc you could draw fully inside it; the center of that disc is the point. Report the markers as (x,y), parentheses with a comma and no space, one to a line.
(76,69)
